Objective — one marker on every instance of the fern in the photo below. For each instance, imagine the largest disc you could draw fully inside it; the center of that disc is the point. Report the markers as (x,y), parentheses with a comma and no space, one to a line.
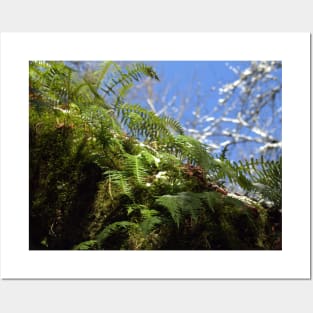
(190,204)
(133,72)
(261,176)
(113,228)
(150,220)
(86,245)
(173,124)
(118,183)
(134,173)
(54,84)
(150,159)
(100,74)
(144,123)
(188,150)
(223,169)
(269,175)
(180,205)
(134,167)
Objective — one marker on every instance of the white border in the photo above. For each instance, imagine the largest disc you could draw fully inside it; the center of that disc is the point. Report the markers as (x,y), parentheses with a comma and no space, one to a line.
(292,262)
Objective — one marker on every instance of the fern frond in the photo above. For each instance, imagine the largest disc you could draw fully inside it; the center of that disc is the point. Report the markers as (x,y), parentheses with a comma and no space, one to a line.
(86,245)
(189,149)
(112,229)
(55,82)
(189,204)
(170,203)
(212,200)
(144,123)
(135,168)
(119,183)
(101,73)
(227,170)
(93,89)
(136,71)
(270,175)
(173,124)
(149,158)
(133,72)
(150,220)
(262,176)
(180,205)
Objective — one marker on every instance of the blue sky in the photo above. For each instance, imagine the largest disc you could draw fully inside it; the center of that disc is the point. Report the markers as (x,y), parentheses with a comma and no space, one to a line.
(195,85)
(186,77)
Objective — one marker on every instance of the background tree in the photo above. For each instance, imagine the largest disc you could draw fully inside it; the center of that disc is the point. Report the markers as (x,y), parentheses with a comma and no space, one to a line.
(243,114)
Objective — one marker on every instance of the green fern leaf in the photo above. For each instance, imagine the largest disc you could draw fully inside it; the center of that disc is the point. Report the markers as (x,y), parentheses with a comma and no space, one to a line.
(133,72)
(180,205)
(119,181)
(135,167)
(112,229)
(150,220)
(86,245)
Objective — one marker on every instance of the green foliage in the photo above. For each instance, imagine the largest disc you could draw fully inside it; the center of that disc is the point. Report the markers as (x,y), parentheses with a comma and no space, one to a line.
(150,220)
(188,149)
(143,123)
(120,183)
(133,72)
(86,245)
(115,228)
(105,174)
(134,168)
(184,203)
(264,177)
(51,84)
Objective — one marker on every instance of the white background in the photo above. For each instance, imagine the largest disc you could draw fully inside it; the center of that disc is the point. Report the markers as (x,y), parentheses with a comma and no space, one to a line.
(222,296)
(292,262)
